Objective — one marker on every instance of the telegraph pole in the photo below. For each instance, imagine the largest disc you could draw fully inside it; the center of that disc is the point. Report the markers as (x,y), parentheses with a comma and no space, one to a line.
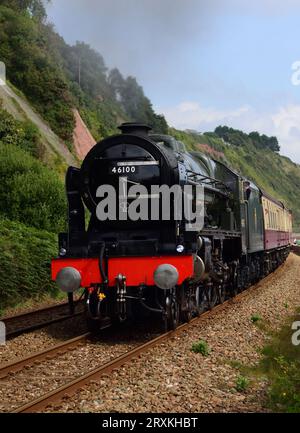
(79,71)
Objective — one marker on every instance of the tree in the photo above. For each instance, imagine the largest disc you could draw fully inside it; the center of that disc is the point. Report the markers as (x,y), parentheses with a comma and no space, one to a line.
(240,138)
(31,68)
(35,7)
(117,83)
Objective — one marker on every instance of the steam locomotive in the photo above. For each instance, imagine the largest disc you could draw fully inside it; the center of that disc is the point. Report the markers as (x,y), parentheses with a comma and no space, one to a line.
(157,266)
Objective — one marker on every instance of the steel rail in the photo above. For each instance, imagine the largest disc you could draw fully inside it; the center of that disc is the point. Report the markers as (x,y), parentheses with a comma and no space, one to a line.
(24,330)
(31,312)
(47,354)
(9,320)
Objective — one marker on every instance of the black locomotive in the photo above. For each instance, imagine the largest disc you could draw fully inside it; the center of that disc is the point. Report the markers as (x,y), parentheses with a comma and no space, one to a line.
(156,265)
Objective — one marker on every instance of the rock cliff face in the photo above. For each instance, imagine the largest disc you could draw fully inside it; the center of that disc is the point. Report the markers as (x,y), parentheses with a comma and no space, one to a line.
(16,104)
(82,138)
(21,109)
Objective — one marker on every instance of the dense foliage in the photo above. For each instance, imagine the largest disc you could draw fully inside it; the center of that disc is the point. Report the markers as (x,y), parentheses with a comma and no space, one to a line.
(36,8)
(136,105)
(25,255)
(30,194)
(23,134)
(30,67)
(240,138)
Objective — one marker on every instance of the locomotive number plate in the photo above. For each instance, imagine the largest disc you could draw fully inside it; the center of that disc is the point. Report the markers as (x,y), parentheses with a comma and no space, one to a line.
(127,167)
(124,169)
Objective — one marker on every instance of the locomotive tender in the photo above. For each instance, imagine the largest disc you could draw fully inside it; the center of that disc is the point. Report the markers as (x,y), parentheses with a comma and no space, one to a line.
(156,266)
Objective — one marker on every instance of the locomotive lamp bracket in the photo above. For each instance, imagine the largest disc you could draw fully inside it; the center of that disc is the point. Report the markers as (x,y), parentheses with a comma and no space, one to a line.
(121,297)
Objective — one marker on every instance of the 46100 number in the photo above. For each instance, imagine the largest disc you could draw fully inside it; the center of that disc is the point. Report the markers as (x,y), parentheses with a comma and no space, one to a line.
(123,169)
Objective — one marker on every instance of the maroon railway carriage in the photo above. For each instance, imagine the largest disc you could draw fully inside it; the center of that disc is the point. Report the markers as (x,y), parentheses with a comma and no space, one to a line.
(277,223)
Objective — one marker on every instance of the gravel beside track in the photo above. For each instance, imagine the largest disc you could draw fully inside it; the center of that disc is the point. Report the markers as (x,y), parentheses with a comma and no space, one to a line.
(45,375)
(171,378)
(38,340)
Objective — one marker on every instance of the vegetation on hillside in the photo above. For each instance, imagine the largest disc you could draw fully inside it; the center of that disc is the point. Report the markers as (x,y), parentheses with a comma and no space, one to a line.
(22,134)
(30,67)
(240,138)
(32,212)
(25,255)
(56,77)
(29,192)
(131,97)
(275,174)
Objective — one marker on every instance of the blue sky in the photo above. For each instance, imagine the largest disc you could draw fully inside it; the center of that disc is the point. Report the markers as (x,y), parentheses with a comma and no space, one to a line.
(201,62)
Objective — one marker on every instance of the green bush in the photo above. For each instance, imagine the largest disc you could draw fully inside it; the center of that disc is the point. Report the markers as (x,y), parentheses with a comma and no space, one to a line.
(255,318)
(25,255)
(284,392)
(32,139)
(11,131)
(242,383)
(30,192)
(202,347)
(22,134)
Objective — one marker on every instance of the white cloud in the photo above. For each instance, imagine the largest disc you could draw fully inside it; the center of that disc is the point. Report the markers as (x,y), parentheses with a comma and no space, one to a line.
(284,123)
(287,128)
(191,115)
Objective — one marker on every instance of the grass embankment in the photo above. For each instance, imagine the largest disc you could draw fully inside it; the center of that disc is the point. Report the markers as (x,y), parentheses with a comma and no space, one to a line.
(279,367)
(25,255)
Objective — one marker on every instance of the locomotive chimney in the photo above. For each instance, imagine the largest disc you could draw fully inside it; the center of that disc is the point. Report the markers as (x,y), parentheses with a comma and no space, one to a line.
(135,128)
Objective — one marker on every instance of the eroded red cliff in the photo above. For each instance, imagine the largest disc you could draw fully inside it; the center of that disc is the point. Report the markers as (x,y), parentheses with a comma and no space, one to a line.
(83,139)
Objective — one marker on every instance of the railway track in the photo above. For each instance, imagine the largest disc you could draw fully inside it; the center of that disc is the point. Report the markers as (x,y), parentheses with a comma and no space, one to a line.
(36,319)
(71,387)
(58,349)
